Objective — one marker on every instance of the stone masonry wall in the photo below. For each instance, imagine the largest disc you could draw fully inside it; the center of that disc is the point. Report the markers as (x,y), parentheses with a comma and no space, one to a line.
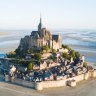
(58,83)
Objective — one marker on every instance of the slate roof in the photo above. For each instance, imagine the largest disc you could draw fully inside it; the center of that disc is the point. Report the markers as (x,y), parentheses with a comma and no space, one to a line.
(55,37)
(35,34)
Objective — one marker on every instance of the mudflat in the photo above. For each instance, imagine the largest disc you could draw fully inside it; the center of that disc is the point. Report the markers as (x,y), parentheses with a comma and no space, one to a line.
(84,88)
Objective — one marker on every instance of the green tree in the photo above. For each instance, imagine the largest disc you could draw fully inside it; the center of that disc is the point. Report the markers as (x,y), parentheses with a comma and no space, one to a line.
(38,56)
(85,64)
(66,46)
(19,60)
(30,66)
(46,47)
(72,53)
(66,56)
(77,54)
(53,51)
(52,57)
(28,51)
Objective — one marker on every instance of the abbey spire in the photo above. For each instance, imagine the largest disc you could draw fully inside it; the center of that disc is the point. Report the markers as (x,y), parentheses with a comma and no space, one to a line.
(40,24)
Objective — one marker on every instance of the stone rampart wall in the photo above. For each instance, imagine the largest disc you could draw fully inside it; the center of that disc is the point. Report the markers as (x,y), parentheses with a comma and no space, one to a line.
(58,83)
(24,83)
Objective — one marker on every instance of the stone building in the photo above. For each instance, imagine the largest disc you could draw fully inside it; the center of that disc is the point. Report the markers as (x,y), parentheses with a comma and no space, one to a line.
(40,38)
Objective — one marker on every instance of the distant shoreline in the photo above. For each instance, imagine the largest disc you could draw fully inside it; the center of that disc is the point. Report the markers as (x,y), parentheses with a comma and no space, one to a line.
(4,34)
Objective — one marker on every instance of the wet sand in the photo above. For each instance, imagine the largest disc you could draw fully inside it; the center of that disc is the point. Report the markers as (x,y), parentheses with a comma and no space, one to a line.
(84,88)
(4,33)
(7,89)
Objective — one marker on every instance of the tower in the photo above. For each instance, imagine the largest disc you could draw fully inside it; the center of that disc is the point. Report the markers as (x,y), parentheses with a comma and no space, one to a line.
(40,24)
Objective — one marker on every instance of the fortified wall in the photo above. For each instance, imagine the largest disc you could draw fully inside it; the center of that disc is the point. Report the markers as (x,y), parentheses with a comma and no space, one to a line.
(57,83)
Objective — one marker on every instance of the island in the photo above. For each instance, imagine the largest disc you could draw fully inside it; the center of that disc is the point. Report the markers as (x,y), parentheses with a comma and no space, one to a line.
(42,61)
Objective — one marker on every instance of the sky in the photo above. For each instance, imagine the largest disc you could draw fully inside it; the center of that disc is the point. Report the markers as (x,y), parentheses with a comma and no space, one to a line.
(56,14)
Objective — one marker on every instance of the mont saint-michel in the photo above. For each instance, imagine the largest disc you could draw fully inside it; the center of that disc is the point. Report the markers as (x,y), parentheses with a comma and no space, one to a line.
(47,47)
(42,61)
(38,39)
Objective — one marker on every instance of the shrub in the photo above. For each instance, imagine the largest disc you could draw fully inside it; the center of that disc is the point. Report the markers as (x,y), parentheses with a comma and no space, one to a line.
(67,47)
(85,64)
(30,66)
(72,53)
(52,57)
(38,56)
(53,51)
(46,47)
(66,56)
(28,51)
(77,54)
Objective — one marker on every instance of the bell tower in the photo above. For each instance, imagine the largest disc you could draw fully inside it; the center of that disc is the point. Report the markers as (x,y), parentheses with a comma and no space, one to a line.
(40,24)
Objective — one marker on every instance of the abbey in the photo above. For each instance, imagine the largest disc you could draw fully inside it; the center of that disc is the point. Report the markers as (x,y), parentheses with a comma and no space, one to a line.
(40,38)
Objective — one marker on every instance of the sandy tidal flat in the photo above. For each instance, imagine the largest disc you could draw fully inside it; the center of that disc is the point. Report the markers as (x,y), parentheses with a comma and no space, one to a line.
(84,88)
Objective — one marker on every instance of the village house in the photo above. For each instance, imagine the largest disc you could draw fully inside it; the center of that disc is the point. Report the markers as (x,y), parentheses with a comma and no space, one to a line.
(63,50)
(42,65)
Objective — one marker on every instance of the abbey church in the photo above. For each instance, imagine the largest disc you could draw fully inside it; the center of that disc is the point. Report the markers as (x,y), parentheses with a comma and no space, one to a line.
(40,38)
